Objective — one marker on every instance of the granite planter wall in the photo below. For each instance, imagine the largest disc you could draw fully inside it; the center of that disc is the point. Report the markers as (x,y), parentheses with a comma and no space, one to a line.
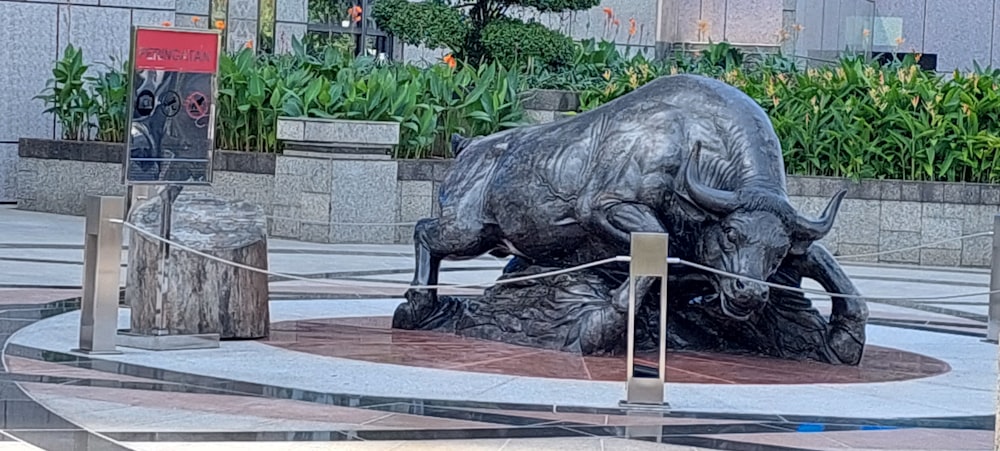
(336,198)
(547,105)
(54,176)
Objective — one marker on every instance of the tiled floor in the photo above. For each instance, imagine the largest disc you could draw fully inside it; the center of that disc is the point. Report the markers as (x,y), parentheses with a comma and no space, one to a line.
(157,409)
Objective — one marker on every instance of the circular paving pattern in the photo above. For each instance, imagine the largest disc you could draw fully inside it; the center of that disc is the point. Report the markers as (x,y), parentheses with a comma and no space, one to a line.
(371,339)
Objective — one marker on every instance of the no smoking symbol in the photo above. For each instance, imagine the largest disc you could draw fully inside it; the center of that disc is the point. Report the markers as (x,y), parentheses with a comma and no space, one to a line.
(196,105)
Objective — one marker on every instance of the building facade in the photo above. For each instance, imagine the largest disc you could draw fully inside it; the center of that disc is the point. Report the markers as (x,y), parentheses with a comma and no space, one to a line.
(952,34)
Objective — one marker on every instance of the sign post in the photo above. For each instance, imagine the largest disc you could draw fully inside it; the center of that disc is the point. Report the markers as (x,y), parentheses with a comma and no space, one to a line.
(171,139)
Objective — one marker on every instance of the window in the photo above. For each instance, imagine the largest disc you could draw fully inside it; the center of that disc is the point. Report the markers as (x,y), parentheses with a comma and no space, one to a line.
(346,24)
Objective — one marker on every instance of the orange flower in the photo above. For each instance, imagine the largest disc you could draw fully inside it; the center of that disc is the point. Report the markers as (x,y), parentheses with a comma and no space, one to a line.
(450,60)
(220,24)
(166,23)
(609,12)
(631,27)
(195,19)
(616,22)
(355,12)
(250,44)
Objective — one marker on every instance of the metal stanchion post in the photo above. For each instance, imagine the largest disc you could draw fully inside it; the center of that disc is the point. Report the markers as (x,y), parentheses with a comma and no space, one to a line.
(993,326)
(649,259)
(101,275)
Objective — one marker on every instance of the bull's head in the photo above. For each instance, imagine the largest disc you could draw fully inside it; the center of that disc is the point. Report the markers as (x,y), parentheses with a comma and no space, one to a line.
(752,232)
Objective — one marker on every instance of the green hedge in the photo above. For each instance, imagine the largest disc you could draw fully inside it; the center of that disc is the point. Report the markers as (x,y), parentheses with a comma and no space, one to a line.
(852,119)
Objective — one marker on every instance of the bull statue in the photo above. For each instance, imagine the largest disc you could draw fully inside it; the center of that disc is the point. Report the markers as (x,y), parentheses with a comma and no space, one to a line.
(685,155)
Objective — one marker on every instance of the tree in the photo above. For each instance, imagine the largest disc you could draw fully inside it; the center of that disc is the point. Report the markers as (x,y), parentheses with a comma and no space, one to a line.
(480,30)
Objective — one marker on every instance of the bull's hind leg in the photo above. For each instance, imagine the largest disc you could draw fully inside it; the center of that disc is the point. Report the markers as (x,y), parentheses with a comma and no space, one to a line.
(433,242)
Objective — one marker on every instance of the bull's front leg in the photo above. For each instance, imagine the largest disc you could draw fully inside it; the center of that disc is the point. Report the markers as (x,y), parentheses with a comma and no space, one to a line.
(849,314)
(619,220)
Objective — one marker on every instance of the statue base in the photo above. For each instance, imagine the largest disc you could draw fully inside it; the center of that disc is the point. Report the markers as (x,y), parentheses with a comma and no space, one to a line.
(576,313)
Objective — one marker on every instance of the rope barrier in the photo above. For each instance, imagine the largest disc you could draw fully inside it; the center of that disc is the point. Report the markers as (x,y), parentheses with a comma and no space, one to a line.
(840,257)
(616,259)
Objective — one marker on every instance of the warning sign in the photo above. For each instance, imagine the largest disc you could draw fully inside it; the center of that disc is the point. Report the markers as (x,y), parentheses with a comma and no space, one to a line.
(174,70)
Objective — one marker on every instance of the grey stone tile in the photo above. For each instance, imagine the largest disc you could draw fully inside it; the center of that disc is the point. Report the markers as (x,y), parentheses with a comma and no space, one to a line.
(101,33)
(979,218)
(23,116)
(284,228)
(152,17)
(46,181)
(977,251)
(931,192)
(239,32)
(901,216)
(990,194)
(809,14)
(285,33)
(937,229)
(352,132)
(793,186)
(167,5)
(8,172)
(891,241)
(292,11)
(910,191)
(286,165)
(911,13)
(848,249)
(315,208)
(713,13)
(859,222)
(940,257)
(832,38)
(753,21)
(243,9)
(416,188)
(317,176)
(315,233)
(191,21)
(958,50)
(891,190)
(363,191)
(193,7)
(957,193)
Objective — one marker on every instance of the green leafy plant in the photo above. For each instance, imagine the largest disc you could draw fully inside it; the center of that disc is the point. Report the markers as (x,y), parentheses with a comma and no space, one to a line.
(110,95)
(66,96)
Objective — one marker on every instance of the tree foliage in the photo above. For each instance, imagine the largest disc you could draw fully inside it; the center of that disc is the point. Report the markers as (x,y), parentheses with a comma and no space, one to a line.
(480,30)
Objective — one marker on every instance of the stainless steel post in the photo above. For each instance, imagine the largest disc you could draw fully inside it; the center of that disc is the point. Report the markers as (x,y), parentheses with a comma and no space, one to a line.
(993,326)
(101,275)
(649,259)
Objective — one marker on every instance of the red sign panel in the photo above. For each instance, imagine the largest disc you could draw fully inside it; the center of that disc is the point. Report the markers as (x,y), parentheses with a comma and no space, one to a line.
(176,50)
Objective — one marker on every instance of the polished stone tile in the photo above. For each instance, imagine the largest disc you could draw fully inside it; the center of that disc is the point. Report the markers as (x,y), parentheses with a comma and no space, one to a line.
(371,339)
(23,117)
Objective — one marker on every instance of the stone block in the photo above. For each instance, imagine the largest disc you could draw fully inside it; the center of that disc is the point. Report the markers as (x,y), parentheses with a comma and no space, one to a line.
(540,116)
(152,17)
(257,189)
(60,186)
(960,193)
(901,216)
(891,190)
(859,222)
(810,186)
(239,32)
(315,208)
(23,116)
(292,11)
(956,50)
(910,192)
(363,192)
(290,129)
(942,210)
(848,250)
(892,241)
(284,228)
(193,7)
(285,165)
(713,13)
(977,252)
(416,188)
(285,33)
(793,186)
(940,257)
(978,218)
(753,21)
(316,177)
(931,192)
(990,194)
(348,132)
(416,170)
(191,21)
(167,5)
(314,232)
(243,9)
(101,33)
(8,172)
(937,229)
(550,100)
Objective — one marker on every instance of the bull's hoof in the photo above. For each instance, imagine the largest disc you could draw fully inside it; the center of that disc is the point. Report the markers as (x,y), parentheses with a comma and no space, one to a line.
(412,315)
(846,344)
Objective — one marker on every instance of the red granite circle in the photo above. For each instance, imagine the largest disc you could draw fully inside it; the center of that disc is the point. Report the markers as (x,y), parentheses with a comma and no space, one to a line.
(372,339)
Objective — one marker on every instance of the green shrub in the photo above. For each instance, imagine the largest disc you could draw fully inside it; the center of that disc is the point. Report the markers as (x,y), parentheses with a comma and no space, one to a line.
(513,42)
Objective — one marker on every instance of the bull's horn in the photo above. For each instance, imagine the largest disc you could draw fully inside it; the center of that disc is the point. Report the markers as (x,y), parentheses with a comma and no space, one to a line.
(713,200)
(813,230)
